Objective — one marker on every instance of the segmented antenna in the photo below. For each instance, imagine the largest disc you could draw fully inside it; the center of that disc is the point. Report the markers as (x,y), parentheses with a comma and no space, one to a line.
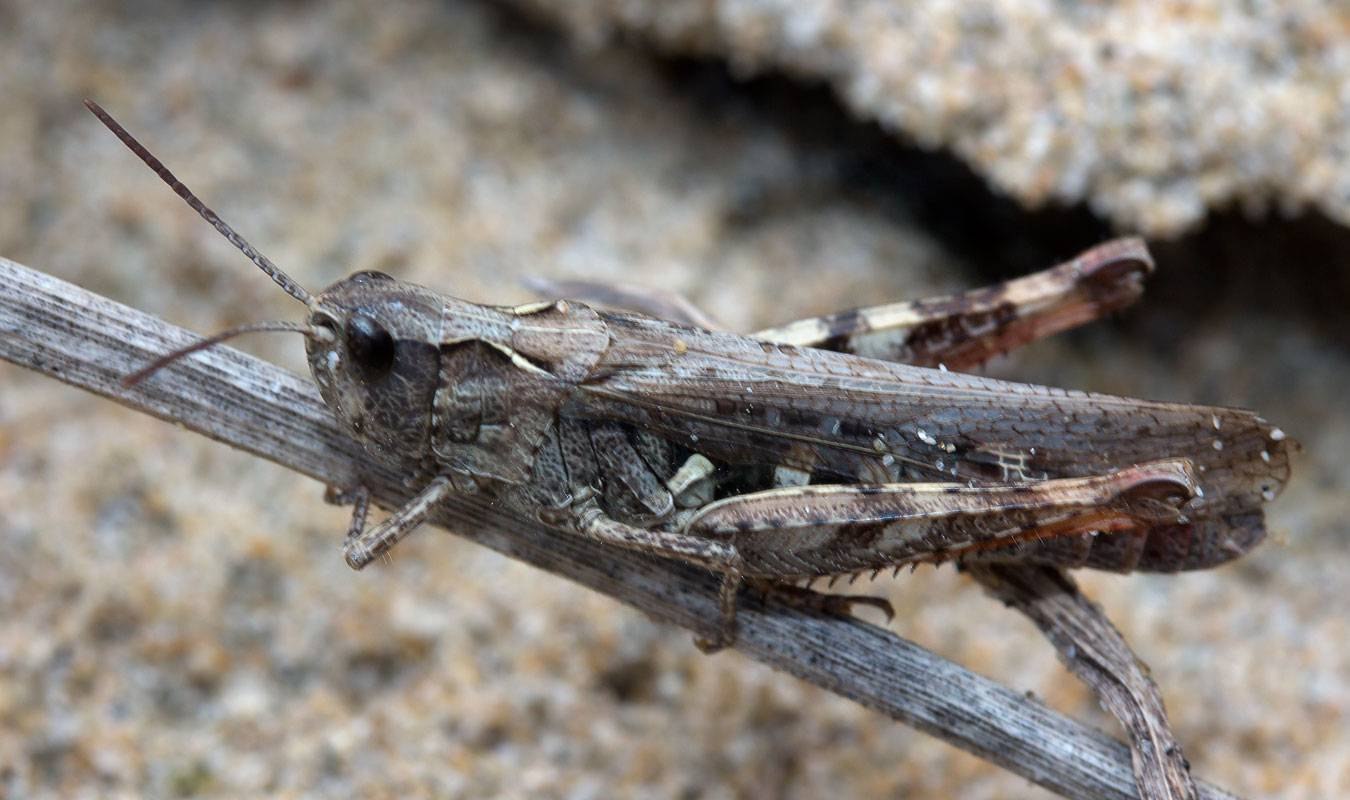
(253,327)
(264,263)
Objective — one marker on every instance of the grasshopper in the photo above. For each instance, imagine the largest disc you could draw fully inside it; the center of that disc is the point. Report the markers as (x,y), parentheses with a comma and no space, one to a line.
(800,452)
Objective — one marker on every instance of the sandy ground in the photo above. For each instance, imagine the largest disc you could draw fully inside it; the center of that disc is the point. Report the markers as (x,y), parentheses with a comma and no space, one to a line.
(177,617)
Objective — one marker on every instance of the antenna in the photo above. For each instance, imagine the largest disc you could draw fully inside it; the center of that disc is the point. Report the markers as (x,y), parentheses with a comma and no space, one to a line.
(264,263)
(253,327)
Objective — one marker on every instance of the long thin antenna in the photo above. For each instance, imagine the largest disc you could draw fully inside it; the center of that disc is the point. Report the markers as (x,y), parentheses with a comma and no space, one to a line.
(264,263)
(253,327)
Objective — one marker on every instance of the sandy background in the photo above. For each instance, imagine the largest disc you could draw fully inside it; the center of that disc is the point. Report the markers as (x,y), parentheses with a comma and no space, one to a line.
(177,620)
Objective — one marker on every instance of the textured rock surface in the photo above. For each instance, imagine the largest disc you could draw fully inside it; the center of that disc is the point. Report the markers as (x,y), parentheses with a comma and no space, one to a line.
(177,617)
(1152,113)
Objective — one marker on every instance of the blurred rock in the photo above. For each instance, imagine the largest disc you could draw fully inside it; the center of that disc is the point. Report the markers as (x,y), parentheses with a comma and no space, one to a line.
(1153,114)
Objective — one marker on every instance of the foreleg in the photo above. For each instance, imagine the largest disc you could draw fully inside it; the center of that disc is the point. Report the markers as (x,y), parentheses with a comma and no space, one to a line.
(364,546)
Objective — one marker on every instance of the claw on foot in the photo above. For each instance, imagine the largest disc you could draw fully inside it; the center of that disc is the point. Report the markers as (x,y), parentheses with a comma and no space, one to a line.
(708,646)
(838,604)
(844,603)
(337,496)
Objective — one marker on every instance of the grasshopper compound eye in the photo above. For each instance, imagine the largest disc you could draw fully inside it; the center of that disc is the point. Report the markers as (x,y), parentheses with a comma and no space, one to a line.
(370,346)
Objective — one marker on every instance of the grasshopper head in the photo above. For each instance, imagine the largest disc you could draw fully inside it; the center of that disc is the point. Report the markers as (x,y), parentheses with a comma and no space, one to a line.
(373,357)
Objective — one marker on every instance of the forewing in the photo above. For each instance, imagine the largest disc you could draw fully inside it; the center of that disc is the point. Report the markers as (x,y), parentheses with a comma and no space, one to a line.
(852,420)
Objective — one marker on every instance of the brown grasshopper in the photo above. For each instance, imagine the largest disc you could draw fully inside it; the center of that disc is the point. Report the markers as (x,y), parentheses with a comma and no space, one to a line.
(795,453)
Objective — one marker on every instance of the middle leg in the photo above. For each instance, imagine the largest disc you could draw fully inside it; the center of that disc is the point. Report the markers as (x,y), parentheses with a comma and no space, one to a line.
(719,557)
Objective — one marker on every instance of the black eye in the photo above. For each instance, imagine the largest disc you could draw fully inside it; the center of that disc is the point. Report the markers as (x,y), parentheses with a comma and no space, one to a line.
(370,346)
